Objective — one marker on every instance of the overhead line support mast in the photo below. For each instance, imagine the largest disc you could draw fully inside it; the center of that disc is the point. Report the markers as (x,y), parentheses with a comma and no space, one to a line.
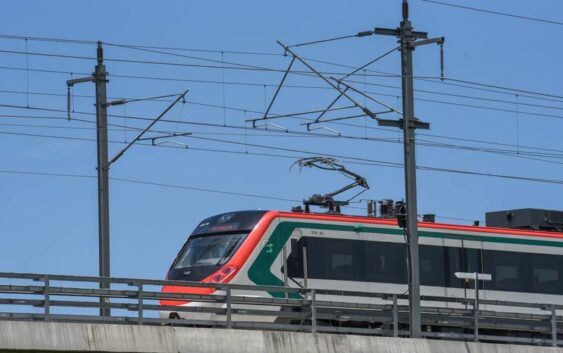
(99,77)
(409,40)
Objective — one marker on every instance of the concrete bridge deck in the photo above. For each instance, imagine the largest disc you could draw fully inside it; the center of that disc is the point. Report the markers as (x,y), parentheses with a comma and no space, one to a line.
(86,337)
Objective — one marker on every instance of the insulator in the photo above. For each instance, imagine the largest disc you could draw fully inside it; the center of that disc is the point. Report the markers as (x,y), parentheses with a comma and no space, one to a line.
(401,213)
(68,102)
(100,53)
(405,10)
(442,62)
(386,208)
(371,208)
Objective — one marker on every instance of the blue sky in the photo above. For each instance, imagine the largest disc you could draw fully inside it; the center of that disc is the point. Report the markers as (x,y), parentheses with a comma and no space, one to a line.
(49,224)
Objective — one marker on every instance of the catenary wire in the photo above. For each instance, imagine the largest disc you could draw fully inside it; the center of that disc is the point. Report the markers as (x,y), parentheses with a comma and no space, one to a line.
(260,112)
(347,159)
(431,79)
(429,135)
(180,187)
(495,12)
(152,183)
(529,113)
(521,154)
(278,70)
(428,143)
(425,143)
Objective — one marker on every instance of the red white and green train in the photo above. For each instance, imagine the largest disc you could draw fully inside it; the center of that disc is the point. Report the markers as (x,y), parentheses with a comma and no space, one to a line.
(333,251)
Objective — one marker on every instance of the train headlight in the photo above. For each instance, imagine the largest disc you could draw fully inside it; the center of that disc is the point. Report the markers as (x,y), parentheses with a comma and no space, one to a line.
(225,273)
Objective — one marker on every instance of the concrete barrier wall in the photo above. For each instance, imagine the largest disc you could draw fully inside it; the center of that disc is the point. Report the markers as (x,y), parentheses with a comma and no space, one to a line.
(51,336)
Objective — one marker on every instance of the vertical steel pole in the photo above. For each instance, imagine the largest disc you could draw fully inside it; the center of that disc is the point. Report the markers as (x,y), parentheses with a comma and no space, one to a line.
(395,317)
(476,309)
(553,327)
(46,293)
(229,307)
(313,311)
(407,48)
(100,78)
(140,303)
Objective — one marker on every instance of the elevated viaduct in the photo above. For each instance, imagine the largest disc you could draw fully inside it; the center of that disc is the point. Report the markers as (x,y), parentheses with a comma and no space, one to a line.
(29,336)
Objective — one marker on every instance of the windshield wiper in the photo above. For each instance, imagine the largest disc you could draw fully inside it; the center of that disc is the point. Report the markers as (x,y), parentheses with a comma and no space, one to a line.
(232,243)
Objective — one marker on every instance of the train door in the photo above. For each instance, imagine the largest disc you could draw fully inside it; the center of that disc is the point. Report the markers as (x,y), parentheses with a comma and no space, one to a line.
(462,255)
(472,261)
(292,259)
(432,268)
(453,264)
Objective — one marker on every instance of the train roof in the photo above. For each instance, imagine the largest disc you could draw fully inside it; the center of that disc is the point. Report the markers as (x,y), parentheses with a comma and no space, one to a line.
(430,225)
(247,219)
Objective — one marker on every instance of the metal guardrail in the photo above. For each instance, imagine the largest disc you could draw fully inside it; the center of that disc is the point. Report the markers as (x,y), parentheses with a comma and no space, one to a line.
(47,297)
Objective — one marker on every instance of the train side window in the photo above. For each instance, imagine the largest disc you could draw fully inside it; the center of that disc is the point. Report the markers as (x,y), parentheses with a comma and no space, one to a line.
(472,260)
(315,258)
(334,259)
(295,259)
(384,262)
(504,268)
(337,259)
(432,266)
(545,274)
(453,265)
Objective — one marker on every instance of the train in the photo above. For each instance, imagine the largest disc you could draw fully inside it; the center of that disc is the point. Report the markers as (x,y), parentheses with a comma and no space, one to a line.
(365,254)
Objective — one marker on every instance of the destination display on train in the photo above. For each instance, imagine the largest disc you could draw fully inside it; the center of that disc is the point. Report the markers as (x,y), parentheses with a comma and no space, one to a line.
(229,222)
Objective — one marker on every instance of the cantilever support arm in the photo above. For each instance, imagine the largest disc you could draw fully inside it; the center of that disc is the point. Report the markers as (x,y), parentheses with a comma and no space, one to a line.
(152,139)
(338,119)
(265,117)
(317,120)
(354,102)
(438,40)
(369,97)
(120,153)
(72,82)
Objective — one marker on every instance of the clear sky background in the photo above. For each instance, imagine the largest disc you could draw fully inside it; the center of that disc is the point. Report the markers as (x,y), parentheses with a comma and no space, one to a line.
(49,223)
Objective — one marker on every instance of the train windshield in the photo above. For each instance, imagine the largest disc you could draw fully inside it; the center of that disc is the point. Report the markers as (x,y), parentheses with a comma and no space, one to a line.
(209,250)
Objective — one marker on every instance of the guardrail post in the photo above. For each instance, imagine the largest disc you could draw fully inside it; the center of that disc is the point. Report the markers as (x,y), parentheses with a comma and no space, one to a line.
(313,311)
(395,317)
(105,285)
(140,303)
(46,307)
(553,327)
(229,308)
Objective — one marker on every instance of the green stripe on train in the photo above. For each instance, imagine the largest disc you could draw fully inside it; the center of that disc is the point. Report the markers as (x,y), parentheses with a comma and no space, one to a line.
(260,273)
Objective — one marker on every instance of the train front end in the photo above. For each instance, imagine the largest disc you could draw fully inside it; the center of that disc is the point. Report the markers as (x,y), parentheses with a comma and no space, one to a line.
(214,253)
